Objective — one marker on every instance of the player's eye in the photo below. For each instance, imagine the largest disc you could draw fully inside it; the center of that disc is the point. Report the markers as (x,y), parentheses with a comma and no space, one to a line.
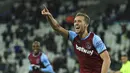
(74,21)
(79,20)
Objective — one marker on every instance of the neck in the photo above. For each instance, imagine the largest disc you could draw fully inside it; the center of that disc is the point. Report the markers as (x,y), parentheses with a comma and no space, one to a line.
(36,53)
(84,34)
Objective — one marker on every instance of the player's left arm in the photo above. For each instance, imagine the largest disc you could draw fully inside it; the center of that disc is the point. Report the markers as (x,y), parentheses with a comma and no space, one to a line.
(101,49)
(30,66)
(48,68)
(106,61)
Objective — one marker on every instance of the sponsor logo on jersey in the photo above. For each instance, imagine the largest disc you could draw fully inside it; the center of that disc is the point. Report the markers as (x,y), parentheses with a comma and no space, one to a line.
(82,49)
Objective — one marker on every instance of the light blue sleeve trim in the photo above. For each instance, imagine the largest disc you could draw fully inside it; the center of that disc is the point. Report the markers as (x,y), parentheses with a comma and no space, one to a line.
(44,59)
(72,35)
(47,64)
(98,44)
(30,68)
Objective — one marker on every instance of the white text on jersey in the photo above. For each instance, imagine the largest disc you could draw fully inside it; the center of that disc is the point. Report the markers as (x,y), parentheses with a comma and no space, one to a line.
(84,50)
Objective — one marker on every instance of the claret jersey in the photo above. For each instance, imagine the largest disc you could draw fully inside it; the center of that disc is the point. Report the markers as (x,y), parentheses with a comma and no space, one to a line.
(88,52)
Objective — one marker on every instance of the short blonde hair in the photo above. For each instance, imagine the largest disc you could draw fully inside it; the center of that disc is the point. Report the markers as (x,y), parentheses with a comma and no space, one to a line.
(86,17)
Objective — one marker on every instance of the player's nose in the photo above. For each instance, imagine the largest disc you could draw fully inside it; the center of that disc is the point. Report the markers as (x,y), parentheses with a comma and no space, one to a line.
(76,24)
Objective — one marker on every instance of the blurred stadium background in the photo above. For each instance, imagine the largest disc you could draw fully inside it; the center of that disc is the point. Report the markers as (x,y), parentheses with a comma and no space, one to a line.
(21,23)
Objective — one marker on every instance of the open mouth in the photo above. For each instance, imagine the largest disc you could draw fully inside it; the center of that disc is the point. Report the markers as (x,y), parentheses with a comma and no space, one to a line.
(77,27)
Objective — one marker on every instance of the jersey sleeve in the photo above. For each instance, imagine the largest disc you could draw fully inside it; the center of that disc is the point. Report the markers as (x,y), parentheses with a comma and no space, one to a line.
(98,44)
(45,60)
(47,64)
(72,35)
(30,67)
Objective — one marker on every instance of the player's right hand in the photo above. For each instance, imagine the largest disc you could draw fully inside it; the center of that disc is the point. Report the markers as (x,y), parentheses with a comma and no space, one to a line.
(36,68)
(45,12)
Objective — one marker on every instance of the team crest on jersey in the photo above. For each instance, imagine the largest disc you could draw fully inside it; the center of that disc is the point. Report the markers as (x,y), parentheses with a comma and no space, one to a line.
(78,41)
(88,45)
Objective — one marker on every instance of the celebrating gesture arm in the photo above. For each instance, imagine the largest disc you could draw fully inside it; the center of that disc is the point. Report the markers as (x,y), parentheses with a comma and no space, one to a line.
(54,24)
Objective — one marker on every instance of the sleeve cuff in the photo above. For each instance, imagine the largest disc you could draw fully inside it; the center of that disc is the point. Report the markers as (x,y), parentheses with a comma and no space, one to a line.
(102,51)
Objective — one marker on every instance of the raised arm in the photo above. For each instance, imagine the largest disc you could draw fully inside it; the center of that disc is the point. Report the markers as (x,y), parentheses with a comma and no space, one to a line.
(54,24)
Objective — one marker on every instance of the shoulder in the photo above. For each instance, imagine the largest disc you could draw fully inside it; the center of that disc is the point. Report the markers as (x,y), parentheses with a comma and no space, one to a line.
(44,59)
(91,34)
(72,35)
(43,55)
(129,62)
(72,32)
(29,55)
(96,37)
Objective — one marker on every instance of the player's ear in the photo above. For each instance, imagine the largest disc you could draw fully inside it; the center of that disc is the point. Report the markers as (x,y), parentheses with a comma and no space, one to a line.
(86,25)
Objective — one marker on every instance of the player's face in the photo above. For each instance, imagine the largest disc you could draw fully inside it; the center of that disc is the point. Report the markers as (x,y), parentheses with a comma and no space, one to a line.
(124,59)
(79,24)
(36,48)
